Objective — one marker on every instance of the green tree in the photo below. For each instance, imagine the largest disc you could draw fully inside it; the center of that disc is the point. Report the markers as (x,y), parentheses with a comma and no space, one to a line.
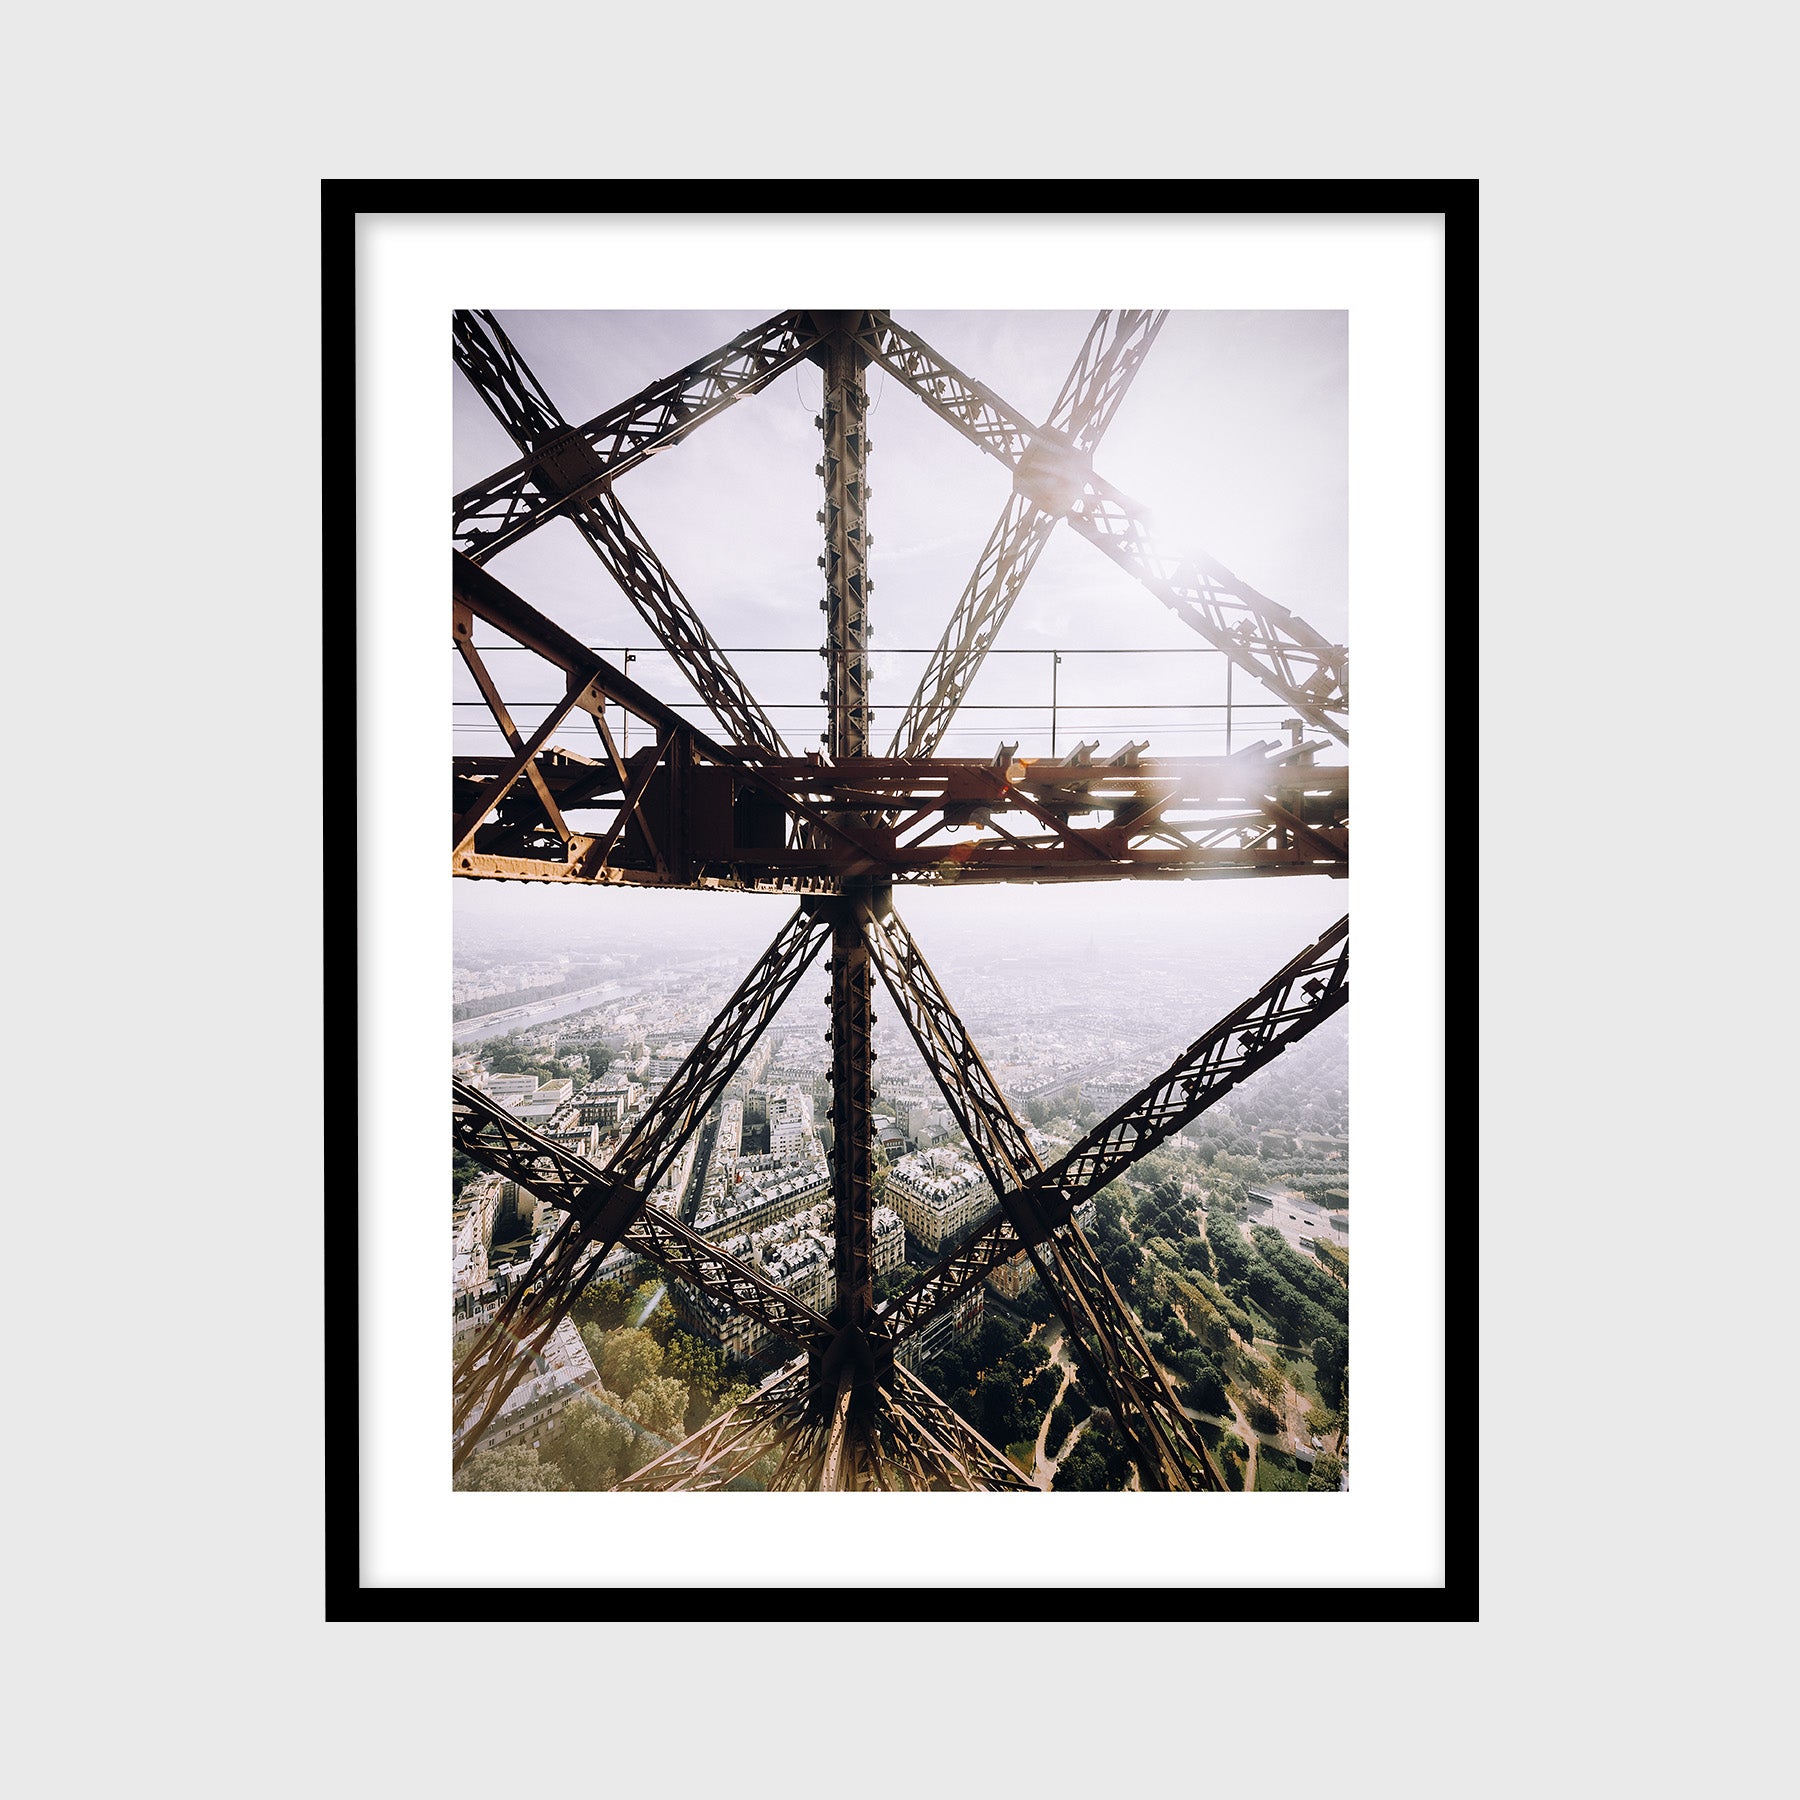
(639,1304)
(1246,1169)
(1328,1354)
(999,1412)
(1233,1459)
(1205,1390)
(1098,1461)
(699,1366)
(602,1303)
(590,1445)
(894,1281)
(659,1403)
(512,1469)
(726,1399)
(1261,1414)
(1327,1471)
(626,1358)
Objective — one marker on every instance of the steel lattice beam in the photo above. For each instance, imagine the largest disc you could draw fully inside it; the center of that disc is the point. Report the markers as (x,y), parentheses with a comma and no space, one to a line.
(690,1092)
(811,825)
(1261,636)
(603,1209)
(552,480)
(1110,354)
(491,1136)
(852,1116)
(488,357)
(684,811)
(1101,1330)
(1294,1001)
(844,470)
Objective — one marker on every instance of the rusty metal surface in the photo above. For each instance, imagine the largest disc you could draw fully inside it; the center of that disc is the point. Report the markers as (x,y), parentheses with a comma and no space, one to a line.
(688,811)
(842,828)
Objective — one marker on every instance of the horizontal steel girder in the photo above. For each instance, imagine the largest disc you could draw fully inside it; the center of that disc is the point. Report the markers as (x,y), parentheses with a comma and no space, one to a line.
(688,811)
(937,821)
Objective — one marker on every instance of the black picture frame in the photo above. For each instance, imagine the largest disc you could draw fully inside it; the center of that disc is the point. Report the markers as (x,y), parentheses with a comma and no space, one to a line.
(346,1597)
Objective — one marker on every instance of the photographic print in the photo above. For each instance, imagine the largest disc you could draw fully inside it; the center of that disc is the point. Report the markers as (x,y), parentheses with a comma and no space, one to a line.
(900,839)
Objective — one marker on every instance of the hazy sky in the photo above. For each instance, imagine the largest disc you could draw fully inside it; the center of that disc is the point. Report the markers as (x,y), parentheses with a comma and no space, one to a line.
(1234,434)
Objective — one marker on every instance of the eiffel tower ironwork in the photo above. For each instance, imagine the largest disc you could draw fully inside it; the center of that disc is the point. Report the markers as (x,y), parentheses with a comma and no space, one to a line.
(841,831)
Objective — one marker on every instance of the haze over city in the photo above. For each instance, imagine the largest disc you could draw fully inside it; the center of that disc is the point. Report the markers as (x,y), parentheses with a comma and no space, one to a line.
(579,1006)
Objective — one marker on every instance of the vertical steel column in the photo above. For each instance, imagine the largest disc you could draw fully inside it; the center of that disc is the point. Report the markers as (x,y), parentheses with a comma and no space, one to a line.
(845,469)
(852,1114)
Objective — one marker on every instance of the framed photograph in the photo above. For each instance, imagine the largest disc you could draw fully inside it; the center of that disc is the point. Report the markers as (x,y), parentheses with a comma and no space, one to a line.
(894,941)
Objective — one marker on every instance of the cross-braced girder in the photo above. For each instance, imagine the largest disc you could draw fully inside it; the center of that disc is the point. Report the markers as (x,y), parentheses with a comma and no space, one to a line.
(1101,1330)
(1110,354)
(487,356)
(602,1204)
(844,828)
(1260,635)
(554,478)
(1292,1003)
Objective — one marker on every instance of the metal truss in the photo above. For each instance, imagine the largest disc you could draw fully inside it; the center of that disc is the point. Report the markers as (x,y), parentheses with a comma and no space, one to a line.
(915,1443)
(1294,1001)
(602,1204)
(491,1136)
(654,813)
(1298,999)
(844,464)
(690,812)
(691,1091)
(1263,637)
(1110,354)
(842,828)
(551,480)
(1102,1332)
(517,399)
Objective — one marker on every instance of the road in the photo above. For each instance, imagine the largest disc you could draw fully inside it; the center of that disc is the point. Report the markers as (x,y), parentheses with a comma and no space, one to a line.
(696,1187)
(515,1018)
(559,1006)
(1043,1469)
